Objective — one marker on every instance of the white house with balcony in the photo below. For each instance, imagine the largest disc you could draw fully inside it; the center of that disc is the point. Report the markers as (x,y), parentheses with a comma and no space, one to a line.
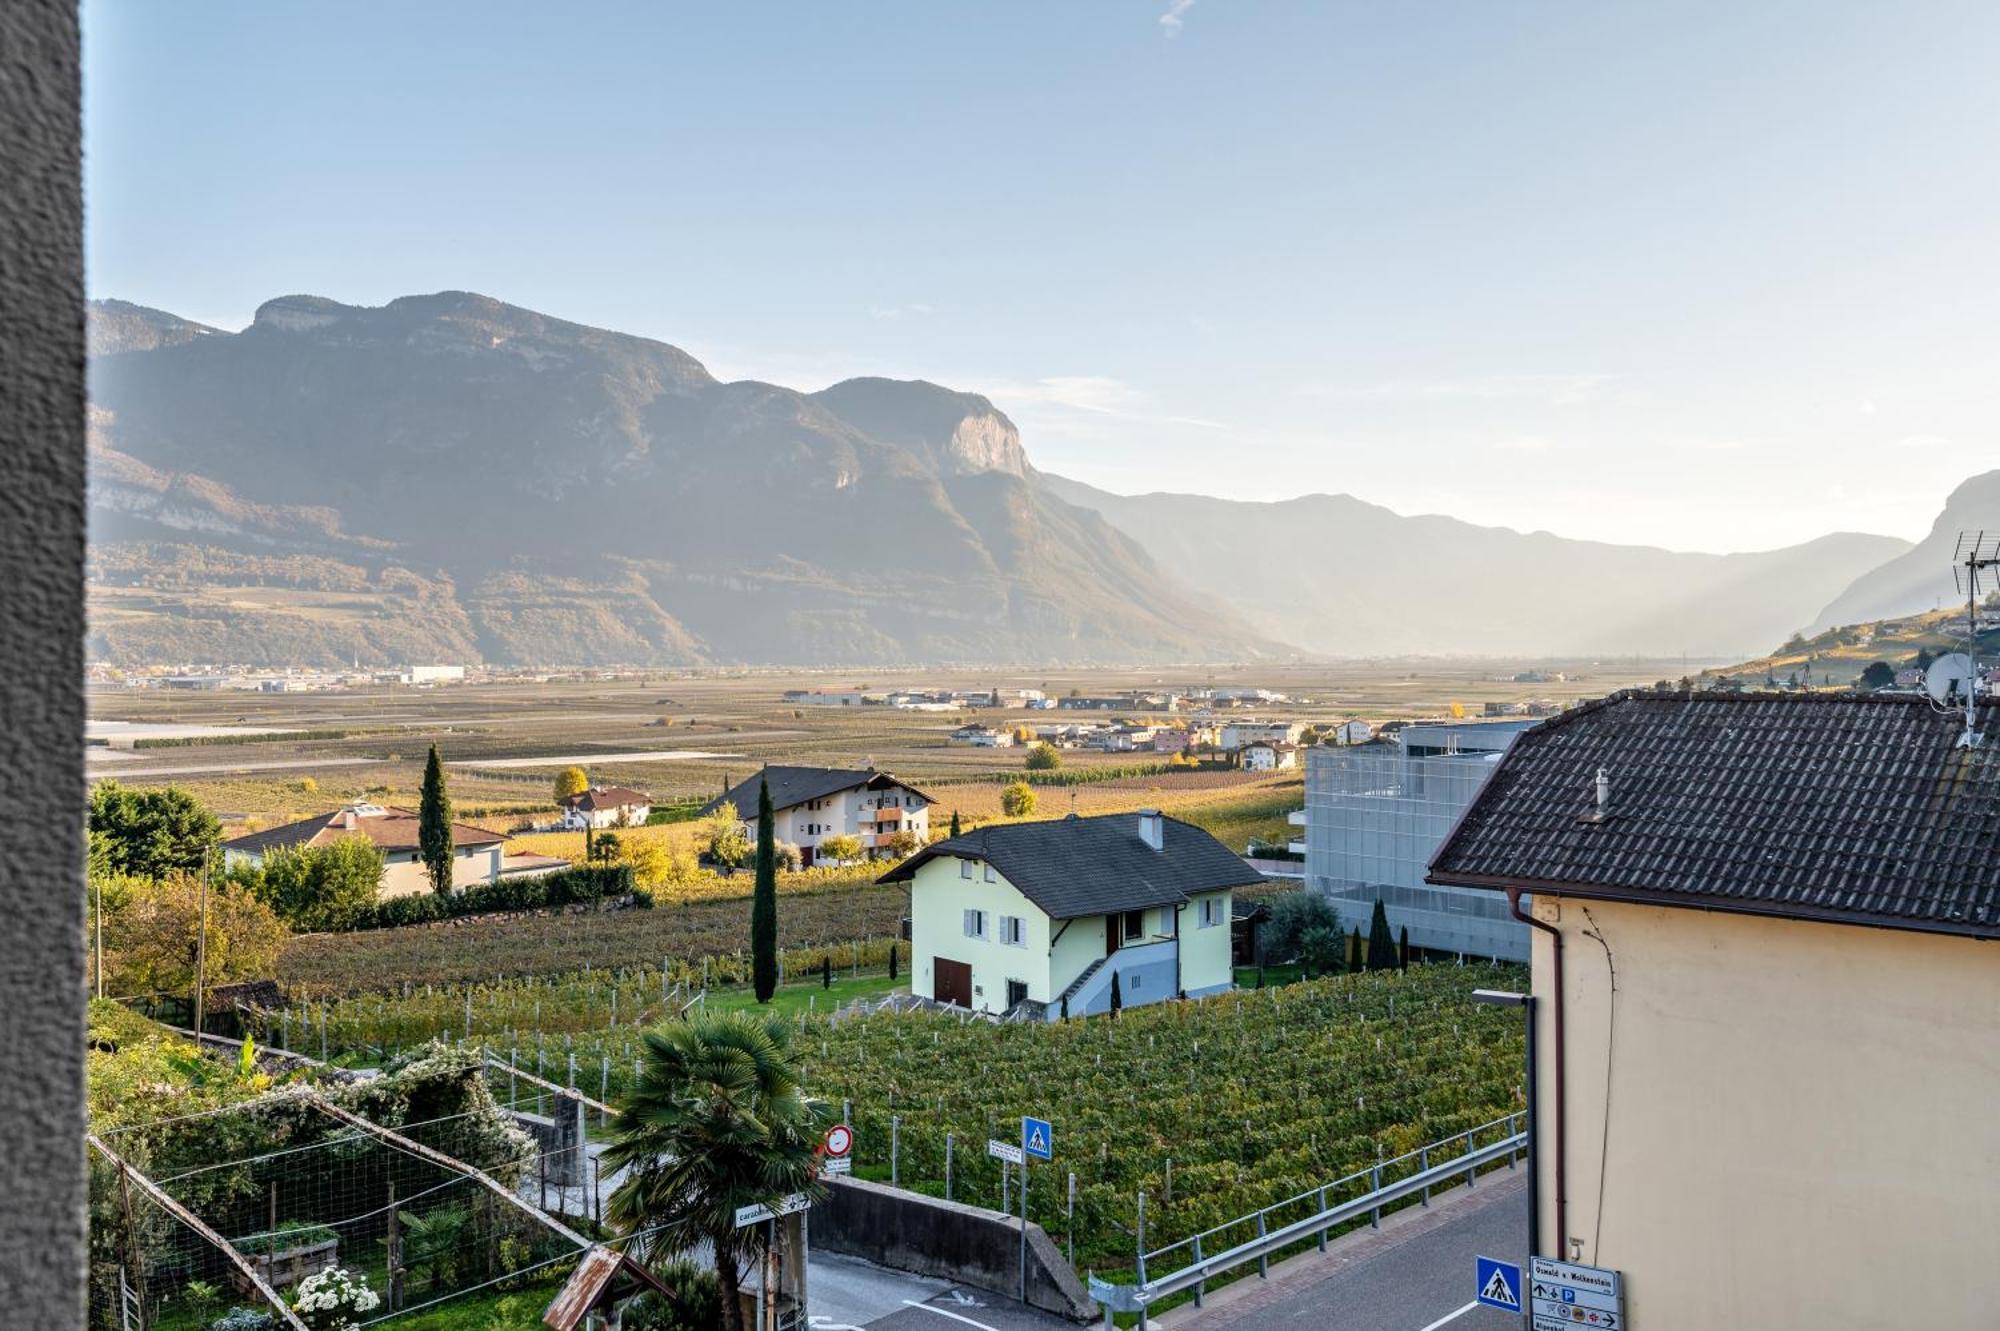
(811,804)
(1045,919)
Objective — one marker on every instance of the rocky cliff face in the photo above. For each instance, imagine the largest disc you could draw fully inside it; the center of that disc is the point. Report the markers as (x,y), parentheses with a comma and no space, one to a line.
(1920,579)
(589,495)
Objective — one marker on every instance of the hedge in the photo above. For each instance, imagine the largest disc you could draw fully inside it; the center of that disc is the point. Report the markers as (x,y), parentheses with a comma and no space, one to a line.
(565,887)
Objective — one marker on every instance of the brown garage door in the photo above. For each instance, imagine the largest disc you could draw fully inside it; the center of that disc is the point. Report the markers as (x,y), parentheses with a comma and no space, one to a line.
(952,982)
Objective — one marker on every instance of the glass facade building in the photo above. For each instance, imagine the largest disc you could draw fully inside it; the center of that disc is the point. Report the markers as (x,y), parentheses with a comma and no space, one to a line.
(1375,813)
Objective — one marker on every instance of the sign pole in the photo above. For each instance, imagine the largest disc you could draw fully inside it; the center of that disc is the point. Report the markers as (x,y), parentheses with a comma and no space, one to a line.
(1024,1228)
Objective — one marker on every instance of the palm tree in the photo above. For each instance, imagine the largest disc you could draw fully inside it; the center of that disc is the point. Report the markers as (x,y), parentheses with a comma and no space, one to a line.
(717,1121)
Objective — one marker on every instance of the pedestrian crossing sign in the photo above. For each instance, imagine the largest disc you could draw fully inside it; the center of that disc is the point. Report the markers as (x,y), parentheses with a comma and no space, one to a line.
(1498,1284)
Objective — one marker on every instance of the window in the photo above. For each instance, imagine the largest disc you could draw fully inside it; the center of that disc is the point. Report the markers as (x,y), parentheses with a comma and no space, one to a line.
(1135,924)
(965,868)
(1211,912)
(975,924)
(1013,931)
(1017,992)
(989,873)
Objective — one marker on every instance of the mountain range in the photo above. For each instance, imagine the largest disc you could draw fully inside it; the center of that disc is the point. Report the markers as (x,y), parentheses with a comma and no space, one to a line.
(448,477)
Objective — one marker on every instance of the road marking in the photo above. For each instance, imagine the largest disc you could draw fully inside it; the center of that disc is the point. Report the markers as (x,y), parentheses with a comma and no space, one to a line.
(912,1303)
(1452,1316)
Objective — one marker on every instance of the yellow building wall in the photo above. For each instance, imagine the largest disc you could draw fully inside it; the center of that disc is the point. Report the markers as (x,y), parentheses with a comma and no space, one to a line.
(1804,1122)
(1205,957)
(938,899)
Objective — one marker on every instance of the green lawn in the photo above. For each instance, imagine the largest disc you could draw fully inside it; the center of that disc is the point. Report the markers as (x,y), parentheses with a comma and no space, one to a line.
(797,997)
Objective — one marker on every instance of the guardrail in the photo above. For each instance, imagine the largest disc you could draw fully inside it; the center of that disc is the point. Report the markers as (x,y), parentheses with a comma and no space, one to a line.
(1279,1226)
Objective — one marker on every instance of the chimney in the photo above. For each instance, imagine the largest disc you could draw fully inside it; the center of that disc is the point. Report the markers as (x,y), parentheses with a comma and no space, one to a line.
(1152,829)
(347,818)
(1603,791)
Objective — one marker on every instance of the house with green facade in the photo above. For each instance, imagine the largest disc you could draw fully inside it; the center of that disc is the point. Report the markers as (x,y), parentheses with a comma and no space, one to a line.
(1047,919)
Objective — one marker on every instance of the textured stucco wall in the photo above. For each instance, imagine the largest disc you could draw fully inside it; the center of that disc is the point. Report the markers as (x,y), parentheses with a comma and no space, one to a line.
(41,665)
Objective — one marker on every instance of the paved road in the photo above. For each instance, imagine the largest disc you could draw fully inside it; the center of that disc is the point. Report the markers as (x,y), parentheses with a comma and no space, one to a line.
(1412,1278)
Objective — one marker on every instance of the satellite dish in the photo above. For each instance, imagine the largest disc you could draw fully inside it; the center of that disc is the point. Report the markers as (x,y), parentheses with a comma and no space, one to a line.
(1950,678)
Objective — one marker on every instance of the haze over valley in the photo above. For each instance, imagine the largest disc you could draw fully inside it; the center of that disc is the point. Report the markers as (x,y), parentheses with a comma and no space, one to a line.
(452,477)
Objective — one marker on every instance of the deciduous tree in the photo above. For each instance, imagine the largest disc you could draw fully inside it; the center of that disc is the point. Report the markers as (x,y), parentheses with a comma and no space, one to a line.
(1017,800)
(571,781)
(149,833)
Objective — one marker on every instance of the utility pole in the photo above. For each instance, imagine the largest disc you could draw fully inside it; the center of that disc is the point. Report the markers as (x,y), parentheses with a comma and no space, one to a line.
(201,952)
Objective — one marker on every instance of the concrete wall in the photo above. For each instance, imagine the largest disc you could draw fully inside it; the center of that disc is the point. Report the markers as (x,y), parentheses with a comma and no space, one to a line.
(1804,1128)
(41,685)
(967,1245)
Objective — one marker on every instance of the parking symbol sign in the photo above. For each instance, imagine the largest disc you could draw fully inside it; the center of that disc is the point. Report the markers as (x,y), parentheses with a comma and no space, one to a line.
(1498,1284)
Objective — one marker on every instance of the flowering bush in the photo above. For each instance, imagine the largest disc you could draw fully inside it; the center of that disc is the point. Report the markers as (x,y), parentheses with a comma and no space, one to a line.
(324,1300)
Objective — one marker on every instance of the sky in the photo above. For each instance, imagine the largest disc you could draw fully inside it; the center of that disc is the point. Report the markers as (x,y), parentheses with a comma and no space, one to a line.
(1705,275)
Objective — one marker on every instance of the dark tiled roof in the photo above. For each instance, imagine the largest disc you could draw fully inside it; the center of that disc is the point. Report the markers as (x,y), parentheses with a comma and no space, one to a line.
(1854,809)
(393,829)
(604,797)
(1075,866)
(796,785)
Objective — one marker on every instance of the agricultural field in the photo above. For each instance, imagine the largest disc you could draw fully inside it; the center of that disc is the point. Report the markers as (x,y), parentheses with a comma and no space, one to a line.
(682,735)
(1254,1096)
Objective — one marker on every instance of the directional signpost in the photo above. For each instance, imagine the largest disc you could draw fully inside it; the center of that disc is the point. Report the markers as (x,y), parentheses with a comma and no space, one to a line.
(757,1215)
(1497,1284)
(1563,1296)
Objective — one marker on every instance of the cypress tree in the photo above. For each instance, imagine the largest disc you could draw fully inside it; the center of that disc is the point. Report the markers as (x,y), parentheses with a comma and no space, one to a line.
(826,972)
(954,822)
(1403,949)
(434,825)
(892,959)
(1117,999)
(1381,942)
(764,901)
(1356,953)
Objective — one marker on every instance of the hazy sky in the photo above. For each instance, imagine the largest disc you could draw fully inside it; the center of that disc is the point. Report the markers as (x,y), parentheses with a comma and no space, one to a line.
(1717,276)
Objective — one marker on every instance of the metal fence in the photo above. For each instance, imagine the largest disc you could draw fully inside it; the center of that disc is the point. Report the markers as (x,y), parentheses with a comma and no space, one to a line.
(1308,1217)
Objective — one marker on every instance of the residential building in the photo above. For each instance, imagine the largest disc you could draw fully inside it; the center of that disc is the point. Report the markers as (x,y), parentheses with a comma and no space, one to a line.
(983,737)
(1039,917)
(1767,1001)
(1374,813)
(810,804)
(478,855)
(1265,755)
(605,806)
(1238,733)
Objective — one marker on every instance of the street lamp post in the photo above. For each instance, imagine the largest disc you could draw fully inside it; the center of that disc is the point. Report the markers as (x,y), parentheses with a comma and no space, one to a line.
(1526,1002)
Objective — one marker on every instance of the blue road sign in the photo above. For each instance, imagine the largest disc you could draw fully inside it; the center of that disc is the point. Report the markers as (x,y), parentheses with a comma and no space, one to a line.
(1038,1138)
(1498,1284)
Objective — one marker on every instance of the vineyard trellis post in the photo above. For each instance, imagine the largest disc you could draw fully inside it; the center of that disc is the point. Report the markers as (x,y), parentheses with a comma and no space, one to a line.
(895,1142)
(1069,1219)
(1140,1232)
(949,1141)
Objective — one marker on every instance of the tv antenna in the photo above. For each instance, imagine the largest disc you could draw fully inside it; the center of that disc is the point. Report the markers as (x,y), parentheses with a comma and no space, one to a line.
(1977,553)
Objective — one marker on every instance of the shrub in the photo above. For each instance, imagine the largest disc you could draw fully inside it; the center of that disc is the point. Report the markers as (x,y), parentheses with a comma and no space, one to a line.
(580,885)
(1018,800)
(317,888)
(1292,916)
(1043,757)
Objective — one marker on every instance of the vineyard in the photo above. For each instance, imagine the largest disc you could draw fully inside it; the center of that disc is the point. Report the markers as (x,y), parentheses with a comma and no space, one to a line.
(464,951)
(1213,1108)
